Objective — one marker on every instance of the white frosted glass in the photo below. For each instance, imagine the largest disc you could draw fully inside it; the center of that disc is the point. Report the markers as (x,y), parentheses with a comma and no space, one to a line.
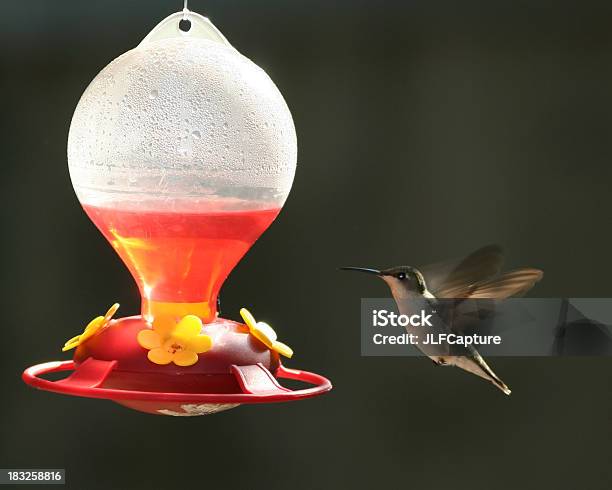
(182,120)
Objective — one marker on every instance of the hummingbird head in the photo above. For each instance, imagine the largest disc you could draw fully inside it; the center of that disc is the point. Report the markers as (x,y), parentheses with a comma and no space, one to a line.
(404,281)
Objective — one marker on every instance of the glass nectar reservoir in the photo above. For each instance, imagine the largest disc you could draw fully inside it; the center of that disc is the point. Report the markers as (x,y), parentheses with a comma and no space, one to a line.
(182,152)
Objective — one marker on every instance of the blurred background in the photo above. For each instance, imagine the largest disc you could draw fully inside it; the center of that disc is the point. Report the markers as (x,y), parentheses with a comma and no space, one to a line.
(426,129)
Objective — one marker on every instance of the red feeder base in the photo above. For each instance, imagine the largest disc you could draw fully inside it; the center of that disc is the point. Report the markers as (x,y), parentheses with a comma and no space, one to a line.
(238,370)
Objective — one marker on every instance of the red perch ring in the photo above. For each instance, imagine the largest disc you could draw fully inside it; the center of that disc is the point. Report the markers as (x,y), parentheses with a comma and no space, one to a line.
(239,370)
(258,385)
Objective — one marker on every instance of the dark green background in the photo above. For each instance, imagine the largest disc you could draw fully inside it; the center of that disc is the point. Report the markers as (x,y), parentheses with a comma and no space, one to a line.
(426,129)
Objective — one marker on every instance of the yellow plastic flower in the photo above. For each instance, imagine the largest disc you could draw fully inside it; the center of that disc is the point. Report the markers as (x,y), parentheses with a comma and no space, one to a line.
(93,327)
(265,334)
(179,343)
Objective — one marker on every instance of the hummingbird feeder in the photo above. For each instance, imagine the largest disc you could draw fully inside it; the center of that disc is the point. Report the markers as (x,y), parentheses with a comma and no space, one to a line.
(182,152)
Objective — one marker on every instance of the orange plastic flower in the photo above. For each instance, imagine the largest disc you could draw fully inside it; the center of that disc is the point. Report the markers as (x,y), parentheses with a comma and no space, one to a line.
(265,334)
(179,343)
(93,327)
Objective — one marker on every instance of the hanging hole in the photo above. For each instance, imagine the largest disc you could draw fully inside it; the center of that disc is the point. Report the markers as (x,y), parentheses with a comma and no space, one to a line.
(185,25)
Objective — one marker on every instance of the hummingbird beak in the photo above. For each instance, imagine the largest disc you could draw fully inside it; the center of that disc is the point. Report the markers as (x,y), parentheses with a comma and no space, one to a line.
(361,269)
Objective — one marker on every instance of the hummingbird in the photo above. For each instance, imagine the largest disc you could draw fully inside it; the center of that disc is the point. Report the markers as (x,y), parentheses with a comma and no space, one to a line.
(478,276)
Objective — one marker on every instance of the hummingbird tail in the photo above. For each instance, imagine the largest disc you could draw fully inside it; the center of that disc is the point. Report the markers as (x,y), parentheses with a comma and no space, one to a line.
(500,384)
(475,364)
(490,375)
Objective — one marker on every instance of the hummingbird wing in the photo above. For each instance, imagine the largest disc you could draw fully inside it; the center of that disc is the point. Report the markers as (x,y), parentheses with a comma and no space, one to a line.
(512,283)
(445,277)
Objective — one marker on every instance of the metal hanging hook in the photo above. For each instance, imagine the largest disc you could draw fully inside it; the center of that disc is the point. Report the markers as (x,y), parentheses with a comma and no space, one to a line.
(185,9)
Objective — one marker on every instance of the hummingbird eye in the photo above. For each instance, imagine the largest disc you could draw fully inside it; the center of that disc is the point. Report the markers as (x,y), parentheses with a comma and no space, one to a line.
(401,275)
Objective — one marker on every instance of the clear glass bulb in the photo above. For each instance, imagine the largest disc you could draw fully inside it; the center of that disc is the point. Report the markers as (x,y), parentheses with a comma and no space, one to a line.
(182,152)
